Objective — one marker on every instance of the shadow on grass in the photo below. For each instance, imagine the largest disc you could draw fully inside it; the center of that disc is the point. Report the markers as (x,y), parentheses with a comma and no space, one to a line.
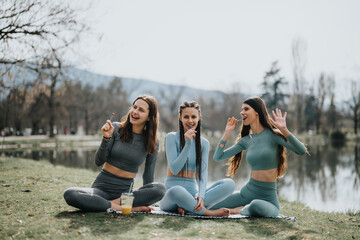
(267,227)
(176,223)
(100,223)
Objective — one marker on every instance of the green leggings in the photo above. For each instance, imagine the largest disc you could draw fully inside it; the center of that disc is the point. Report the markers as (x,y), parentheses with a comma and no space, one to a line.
(259,198)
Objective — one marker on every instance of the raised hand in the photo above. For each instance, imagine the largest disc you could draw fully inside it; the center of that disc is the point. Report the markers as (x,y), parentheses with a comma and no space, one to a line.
(231,125)
(107,129)
(280,121)
(190,134)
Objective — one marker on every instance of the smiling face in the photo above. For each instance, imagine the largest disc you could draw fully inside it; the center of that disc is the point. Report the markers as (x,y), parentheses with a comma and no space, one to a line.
(248,114)
(190,118)
(139,113)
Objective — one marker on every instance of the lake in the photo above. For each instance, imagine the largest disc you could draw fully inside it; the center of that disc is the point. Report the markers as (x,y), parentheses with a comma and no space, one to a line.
(328,180)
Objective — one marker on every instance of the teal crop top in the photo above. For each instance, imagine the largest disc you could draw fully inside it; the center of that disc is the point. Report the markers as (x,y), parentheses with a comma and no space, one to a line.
(186,159)
(261,149)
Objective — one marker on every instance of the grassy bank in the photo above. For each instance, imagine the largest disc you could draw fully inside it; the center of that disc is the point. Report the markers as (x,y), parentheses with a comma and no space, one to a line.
(31,206)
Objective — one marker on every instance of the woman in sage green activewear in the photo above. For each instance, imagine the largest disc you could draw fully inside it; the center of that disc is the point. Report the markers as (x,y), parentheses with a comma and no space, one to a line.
(265,140)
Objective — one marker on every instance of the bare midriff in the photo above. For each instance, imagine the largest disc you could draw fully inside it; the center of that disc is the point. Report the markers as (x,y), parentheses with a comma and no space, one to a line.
(183,173)
(268,175)
(117,171)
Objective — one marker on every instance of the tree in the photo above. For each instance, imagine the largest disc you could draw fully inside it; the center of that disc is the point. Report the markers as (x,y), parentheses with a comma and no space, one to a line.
(354,104)
(71,101)
(310,110)
(272,85)
(299,64)
(169,110)
(111,99)
(30,28)
(15,101)
(38,110)
(34,34)
(332,115)
(322,91)
(50,71)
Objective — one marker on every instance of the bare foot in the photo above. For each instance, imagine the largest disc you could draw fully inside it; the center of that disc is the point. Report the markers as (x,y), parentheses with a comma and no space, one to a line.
(236,210)
(181,211)
(115,204)
(141,209)
(221,212)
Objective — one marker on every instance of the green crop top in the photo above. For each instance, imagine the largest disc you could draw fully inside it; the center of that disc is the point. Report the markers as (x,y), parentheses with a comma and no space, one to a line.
(261,149)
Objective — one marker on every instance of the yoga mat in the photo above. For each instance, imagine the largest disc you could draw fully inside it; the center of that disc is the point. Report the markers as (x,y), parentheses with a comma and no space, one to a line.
(158,211)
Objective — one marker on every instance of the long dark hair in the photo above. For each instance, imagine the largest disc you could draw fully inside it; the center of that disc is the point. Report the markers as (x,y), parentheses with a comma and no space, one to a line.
(151,126)
(259,106)
(195,105)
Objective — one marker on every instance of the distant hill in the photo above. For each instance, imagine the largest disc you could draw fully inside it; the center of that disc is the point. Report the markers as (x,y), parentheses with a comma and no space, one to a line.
(132,86)
(135,87)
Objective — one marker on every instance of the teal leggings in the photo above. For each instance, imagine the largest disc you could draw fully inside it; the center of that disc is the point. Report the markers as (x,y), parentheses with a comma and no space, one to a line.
(259,198)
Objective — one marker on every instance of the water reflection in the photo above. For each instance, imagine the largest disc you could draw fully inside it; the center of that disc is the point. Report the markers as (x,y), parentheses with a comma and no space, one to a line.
(328,180)
(74,158)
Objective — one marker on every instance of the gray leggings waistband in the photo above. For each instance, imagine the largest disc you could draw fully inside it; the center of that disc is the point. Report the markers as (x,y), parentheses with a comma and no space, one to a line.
(112,184)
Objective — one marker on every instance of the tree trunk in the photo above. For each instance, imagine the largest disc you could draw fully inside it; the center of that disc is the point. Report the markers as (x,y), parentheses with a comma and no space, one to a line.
(52,106)
(318,122)
(35,128)
(86,122)
(355,121)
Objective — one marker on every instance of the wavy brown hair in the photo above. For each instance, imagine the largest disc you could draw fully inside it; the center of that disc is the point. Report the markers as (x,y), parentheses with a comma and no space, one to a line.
(151,126)
(234,162)
(195,105)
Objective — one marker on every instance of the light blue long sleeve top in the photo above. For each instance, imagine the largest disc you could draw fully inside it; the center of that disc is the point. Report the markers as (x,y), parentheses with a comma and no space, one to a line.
(186,159)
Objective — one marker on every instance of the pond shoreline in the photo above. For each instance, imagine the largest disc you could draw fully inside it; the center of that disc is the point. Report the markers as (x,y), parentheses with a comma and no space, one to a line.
(43,141)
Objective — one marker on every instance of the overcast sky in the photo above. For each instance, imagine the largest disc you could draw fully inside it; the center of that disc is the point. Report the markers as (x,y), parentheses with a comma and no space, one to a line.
(214,44)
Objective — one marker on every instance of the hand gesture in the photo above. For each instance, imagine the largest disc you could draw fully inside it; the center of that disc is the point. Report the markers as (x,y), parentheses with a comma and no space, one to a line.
(280,122)
(107,129)
(231,125)
(190,134)
(200,205)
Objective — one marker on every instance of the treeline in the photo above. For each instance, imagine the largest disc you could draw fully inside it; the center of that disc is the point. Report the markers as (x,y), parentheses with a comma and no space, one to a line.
(30,104)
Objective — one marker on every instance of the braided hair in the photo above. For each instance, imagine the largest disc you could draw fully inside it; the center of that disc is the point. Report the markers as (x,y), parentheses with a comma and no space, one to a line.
(195,105)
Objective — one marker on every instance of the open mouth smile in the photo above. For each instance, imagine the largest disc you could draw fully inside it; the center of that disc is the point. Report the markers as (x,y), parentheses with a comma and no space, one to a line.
(134,117)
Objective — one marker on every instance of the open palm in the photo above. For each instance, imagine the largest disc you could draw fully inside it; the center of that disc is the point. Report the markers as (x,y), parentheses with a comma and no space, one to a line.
(279,120)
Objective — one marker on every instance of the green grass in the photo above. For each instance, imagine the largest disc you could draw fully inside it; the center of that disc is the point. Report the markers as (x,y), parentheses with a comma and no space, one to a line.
(32,207)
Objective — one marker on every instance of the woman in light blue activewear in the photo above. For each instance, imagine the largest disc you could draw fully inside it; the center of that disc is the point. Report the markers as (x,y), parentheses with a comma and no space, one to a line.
(187,156)
(265,140)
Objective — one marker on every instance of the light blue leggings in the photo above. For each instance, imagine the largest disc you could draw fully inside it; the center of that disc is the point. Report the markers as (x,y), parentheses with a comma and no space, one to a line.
(181,192)
(259,198)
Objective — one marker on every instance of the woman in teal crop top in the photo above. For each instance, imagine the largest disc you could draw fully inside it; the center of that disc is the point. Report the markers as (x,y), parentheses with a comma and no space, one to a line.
(187,155)
(265,141)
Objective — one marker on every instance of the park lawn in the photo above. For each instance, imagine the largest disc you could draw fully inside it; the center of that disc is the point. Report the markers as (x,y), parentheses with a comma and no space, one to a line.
(32,206)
